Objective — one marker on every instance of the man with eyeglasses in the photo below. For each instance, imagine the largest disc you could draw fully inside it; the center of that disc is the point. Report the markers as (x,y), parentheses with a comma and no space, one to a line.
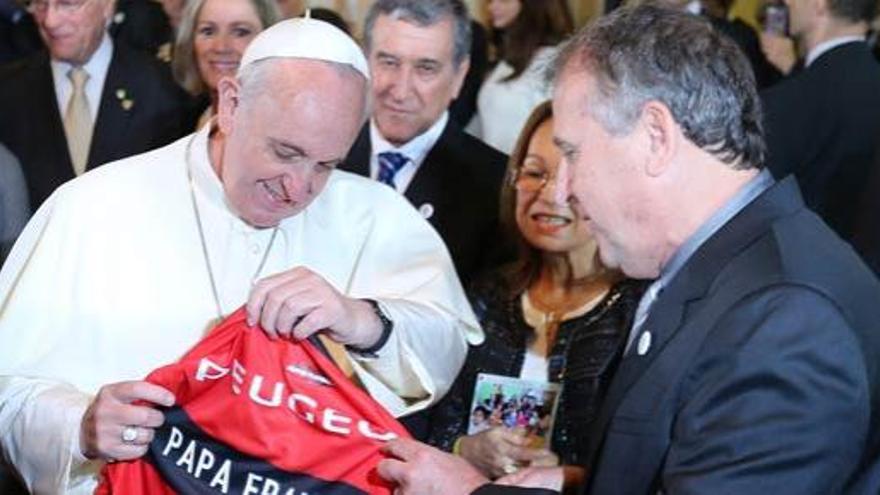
(85,100)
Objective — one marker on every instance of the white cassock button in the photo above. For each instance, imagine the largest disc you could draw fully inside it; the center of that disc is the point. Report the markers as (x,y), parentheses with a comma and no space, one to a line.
(644,343)
(426,210)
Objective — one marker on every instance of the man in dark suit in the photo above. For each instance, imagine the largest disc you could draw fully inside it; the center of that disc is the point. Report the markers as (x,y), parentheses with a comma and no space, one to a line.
(85,101)
(753,364)
(822,123)
(18,34)
(418,54)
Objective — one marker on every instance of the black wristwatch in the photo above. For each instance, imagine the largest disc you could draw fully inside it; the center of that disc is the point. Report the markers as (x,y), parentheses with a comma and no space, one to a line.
(387,326)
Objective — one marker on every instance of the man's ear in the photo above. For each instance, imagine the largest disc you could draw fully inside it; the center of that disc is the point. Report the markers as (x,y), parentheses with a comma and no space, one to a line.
(228,102)
(663,136)
(460,74)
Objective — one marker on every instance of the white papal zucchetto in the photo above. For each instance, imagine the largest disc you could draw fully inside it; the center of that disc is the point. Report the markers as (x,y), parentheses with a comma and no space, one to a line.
(306,38)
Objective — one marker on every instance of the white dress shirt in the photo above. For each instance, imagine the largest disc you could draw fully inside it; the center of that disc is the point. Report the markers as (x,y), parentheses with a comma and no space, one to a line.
(416,150)
(96,67)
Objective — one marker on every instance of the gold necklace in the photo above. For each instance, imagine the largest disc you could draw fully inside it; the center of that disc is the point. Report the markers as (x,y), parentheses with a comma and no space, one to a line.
(570,303)
(205,255)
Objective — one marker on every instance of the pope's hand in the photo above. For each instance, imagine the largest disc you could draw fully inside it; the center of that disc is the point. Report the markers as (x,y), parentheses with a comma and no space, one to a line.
(113,428)
(423,470)
(299,302)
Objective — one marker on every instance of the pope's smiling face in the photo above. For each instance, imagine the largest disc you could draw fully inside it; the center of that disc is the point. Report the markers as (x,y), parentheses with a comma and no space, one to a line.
(281,141)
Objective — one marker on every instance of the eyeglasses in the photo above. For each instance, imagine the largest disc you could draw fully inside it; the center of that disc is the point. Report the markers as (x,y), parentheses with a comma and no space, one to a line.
(65,7)
(531,179)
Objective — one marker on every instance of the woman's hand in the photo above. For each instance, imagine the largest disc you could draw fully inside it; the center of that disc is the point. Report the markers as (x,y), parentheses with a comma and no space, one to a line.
(548,478)
(498,451)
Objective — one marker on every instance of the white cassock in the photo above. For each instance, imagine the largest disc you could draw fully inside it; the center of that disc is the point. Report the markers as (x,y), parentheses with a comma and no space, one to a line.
(109,281)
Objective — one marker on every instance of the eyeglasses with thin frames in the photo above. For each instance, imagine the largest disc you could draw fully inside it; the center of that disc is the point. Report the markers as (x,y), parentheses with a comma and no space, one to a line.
(65,7)
(531,179)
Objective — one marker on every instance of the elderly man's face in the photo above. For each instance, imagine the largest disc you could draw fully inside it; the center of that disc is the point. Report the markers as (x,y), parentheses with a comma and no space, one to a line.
(282,144)
(414,76)
(607,178)
(72,29)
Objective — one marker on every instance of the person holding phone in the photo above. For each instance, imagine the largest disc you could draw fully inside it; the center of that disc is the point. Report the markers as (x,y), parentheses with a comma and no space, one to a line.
(821,122)
(778,47)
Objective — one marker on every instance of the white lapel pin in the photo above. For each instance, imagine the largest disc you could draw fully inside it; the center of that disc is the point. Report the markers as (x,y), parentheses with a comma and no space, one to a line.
(426,210)
(644,343)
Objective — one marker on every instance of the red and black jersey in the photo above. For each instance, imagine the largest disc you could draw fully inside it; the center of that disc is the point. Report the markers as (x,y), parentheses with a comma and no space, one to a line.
(256,416)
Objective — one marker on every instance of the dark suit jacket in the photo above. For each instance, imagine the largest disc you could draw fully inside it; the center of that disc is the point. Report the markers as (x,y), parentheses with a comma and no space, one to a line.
(822,126)
(866,238)
(762,376)
(142,24)
(32,125)
(461,179)
(19,36)
(745,37)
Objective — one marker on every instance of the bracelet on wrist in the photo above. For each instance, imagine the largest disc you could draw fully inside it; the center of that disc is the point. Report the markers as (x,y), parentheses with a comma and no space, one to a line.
(387,326)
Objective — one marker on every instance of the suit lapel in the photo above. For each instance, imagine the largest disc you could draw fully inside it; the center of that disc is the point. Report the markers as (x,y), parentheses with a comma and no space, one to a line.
(663,322)
(45,104)
(113,119)
(686,289)
(430,184)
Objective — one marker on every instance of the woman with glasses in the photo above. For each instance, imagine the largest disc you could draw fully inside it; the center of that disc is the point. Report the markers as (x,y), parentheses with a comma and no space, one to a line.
(212,37)
(554,315)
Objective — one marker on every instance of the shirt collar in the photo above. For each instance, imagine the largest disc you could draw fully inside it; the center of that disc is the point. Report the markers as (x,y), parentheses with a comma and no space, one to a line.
(417,148)
(827,46)
(97,65)
(734,205)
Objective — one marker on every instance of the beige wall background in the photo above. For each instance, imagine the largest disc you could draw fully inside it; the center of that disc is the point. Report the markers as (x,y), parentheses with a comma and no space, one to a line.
(354,10)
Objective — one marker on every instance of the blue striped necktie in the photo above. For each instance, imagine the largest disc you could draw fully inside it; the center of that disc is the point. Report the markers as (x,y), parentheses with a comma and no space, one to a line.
(390,162)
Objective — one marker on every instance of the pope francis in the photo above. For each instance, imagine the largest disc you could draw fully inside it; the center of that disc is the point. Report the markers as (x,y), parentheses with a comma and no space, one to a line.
(126,267)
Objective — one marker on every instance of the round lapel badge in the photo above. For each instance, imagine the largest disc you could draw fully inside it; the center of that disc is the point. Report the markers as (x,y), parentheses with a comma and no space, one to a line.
(644,343)
(426,211)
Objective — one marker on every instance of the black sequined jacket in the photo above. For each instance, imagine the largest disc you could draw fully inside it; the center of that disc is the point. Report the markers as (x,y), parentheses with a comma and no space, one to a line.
(583,358)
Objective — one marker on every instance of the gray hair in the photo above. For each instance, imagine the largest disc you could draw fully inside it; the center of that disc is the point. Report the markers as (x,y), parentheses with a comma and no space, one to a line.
(184,66)
(425,13)
(646,53)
